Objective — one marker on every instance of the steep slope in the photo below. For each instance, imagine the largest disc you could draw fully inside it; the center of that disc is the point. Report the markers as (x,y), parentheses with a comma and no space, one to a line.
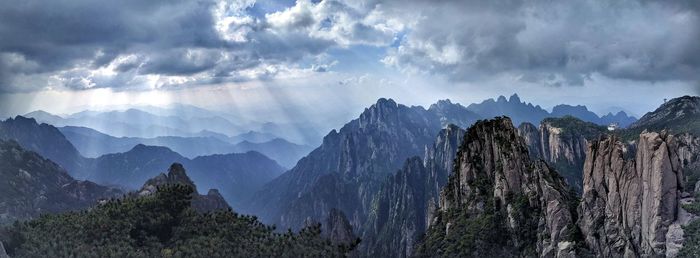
(630,205)
(45,140)
(32,185)
(355,159)
(498,202)
(679,115)
(405,203)
(562,143)
(176,175)
(237,175)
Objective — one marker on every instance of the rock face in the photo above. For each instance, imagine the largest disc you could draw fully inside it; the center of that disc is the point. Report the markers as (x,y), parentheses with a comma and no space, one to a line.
(355,160)
(3,254)
(523,205)
(337,228)
(176,175)
(630,200)
(405,203)
(32,185)
(562,143)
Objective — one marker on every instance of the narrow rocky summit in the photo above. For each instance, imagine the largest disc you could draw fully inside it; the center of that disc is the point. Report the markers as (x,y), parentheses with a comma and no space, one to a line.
(524,205)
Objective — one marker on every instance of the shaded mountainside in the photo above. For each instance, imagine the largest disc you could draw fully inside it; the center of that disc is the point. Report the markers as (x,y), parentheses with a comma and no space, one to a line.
(43,139)
(404,205)
(161,224)
(236,175)
(562,143)
(498,202)
(356,158)
(32,185)
(679,115)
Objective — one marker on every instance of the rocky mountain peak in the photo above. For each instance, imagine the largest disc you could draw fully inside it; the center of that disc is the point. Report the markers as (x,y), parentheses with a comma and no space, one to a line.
(177,175)
(495,187)
(514,98)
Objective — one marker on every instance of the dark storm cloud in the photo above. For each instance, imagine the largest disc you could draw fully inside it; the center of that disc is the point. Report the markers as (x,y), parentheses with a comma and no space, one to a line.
(560,42)
(82,44)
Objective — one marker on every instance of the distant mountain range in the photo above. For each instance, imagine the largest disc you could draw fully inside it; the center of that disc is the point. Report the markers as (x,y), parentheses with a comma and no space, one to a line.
(235,175)
(521,112)
(138,123)
(93,143)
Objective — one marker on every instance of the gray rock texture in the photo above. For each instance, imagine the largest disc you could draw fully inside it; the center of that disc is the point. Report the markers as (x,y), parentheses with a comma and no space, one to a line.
(631,200)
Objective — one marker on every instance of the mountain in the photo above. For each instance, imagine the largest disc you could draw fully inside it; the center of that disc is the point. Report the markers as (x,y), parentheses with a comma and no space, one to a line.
(93,143)
(679,115)
(453,113)
(500,203)
(562,143)
(133,167)
(162,223)
(518,111)
(236,175)
(631,197)
(32,185)
(621,118)
(44,116)
(348,166)
(212,201)
(406,201)
(252,136)
(581,112)
(521,112)
(43,139)
(138,123)
(281,150)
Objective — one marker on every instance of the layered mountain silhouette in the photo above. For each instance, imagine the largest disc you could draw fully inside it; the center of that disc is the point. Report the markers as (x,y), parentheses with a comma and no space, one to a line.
(521,112)
(236,175)
(93,143)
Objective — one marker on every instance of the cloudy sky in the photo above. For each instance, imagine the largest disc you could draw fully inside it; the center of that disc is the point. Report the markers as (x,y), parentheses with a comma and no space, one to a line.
(321,59)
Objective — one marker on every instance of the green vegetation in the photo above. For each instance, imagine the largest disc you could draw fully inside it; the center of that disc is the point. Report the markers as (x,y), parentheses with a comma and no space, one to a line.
(693,207)
(574,127)
(161,225)
(691,245)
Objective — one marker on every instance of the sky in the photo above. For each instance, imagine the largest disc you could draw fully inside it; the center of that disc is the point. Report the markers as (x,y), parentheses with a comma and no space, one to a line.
(327,60)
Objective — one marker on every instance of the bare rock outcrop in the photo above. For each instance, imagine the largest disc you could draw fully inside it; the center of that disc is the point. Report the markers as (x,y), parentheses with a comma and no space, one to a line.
(177,175)
(631,200)
(523,204)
